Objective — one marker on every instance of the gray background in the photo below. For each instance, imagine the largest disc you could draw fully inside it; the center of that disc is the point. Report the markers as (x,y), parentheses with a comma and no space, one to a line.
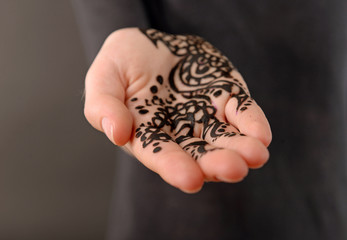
(55,171)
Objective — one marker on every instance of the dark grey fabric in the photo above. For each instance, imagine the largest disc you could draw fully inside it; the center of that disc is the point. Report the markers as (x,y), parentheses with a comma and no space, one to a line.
(293,57)
(97,19)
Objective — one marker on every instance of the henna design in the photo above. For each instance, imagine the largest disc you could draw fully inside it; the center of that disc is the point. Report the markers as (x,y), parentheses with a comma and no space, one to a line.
(201,74)
(202,69)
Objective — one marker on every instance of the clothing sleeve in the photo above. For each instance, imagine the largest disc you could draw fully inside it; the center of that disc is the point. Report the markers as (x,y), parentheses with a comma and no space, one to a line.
(97,19)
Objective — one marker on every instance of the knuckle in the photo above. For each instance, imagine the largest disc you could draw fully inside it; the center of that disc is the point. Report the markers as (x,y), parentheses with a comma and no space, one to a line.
(87,113)
(120,35)
(91,113)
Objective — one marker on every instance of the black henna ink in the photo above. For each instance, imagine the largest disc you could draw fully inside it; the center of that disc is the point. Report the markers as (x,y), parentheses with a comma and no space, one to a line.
(143,111)
(160,79)
(154,89)
(218,93)
(157,149)
(202,73)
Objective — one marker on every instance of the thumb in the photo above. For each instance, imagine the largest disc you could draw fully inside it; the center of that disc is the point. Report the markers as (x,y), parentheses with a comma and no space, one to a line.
(104,100)
(111,116)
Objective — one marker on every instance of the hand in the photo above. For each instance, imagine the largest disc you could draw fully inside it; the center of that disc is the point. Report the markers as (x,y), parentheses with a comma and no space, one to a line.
(178,105)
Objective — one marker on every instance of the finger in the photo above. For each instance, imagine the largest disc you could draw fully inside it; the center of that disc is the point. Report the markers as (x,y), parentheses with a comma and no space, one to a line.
(217,164)
(250,149)
(249,119)
(104,99)
(158,152)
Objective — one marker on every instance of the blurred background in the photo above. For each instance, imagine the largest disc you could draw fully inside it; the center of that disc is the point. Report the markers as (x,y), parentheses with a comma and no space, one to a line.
(55,170)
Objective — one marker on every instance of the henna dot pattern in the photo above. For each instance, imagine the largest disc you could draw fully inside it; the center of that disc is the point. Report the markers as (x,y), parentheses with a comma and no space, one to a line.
(201,74)
(218,93)
(143,111)
(154,89)
(160,79)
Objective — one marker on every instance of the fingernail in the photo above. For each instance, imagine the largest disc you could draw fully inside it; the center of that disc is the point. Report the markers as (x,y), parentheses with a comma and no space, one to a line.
(107,126)
(222,179)
(192,191)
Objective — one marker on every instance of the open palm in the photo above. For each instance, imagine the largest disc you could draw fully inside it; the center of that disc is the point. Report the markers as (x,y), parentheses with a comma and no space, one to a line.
(178,105)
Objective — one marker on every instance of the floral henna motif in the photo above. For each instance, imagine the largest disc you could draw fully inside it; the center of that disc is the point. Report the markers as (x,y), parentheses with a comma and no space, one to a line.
(202,73)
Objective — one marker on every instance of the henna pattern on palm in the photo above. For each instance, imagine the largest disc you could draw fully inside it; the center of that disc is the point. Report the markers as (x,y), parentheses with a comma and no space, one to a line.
(201,74)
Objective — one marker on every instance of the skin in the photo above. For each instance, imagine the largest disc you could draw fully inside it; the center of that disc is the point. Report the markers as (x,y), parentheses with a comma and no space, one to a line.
(178,105)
